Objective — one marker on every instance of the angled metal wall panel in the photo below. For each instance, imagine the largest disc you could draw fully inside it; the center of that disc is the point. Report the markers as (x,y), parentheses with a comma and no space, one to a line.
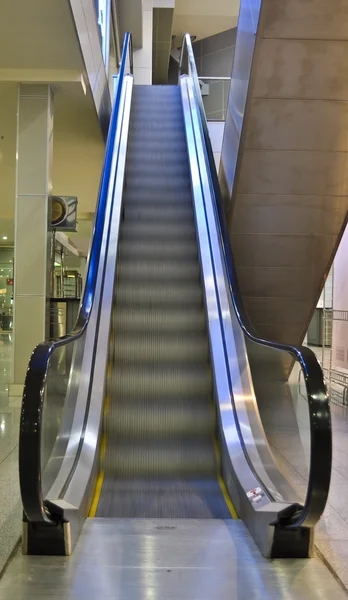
(284,164)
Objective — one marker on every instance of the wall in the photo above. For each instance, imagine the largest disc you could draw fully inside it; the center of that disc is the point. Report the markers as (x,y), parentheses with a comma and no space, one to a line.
(286,134)
(214,58)
(78,152)
(8,124)
(78,149)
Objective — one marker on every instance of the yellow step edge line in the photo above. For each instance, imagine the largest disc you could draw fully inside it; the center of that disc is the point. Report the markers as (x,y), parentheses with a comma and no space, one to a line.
(222,483)
(96,497)
(100,480)
(227,498)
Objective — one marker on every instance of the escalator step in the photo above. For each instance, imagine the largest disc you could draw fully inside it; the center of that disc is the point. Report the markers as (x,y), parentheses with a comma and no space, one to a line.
(158,381)
(154,294)
(157,213)
(186,250)
(160,348)
(158,319)
(161,183)
(170,197)
(155,420)
(142,230)
(157,269)
(164,459)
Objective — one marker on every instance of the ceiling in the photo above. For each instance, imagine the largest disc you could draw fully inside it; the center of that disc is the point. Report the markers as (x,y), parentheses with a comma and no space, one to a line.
(204,18)
(39,34)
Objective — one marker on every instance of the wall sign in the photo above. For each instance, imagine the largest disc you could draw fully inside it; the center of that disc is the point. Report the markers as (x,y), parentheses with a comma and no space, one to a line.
(64,213)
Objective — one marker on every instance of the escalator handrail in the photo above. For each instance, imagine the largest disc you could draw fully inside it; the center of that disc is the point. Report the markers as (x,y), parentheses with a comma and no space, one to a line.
(36,375)
(318,401)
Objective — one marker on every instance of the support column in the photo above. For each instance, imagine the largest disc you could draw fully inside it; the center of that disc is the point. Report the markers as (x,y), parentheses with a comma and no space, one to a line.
(32,221)
(142,57)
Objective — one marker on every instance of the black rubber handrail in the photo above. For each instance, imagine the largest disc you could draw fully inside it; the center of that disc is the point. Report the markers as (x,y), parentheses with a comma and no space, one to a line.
(34,386)
(318,401)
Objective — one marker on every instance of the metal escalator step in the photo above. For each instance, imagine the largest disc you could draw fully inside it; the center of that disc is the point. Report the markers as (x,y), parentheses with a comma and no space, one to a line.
(154,212)
(156,319)
(187,250)
(168,121)
(142,230)
(155,347)
(137,144)
(157,269)
(148,419)
(160,183)
(170,197)
(155,159)
(159,381)
(172,137)
(162,498)
(151,170)
(170,114)
(156,295)
(162,459)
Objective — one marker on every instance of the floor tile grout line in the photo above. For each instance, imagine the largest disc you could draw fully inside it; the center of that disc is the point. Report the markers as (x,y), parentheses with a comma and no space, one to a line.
(9,454)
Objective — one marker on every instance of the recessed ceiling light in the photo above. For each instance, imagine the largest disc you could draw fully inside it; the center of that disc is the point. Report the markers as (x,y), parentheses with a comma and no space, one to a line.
(4,237)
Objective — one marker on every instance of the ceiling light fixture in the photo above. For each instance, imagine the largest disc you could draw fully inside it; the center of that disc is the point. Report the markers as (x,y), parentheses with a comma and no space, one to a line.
(4,237)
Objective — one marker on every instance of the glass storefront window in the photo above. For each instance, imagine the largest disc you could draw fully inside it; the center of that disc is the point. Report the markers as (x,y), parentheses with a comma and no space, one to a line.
(6,289)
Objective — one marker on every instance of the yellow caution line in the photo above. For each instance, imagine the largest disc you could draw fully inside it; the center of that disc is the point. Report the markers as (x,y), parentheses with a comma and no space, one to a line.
(100,480)
(227,498)
(222,483)
(97,492)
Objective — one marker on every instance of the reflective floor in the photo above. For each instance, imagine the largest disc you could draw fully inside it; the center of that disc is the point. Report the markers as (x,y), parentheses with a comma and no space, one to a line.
(288,432)
(289,441)
(10,504)
(143,559)
(6,363)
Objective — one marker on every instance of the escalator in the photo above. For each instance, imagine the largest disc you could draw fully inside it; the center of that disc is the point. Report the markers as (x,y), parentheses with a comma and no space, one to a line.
(156,415)
(159,427)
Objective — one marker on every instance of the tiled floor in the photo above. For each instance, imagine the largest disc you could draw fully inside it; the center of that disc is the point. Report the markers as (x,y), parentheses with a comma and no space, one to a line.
(289,443)
(6,361)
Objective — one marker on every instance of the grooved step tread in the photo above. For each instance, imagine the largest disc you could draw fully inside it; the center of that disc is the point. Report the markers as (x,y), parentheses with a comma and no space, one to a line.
(152,269)
(166,459)
(159,347)
(158,381)
(154,319)
(163,248)
(154,295)
(161,420)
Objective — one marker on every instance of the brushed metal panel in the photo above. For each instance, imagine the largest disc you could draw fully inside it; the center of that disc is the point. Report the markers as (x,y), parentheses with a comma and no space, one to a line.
(289,282)
(303,215)
(262,250)
(273,309)
(301,69)
(305,19)
(290,124)
(292,172)
(282,331)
